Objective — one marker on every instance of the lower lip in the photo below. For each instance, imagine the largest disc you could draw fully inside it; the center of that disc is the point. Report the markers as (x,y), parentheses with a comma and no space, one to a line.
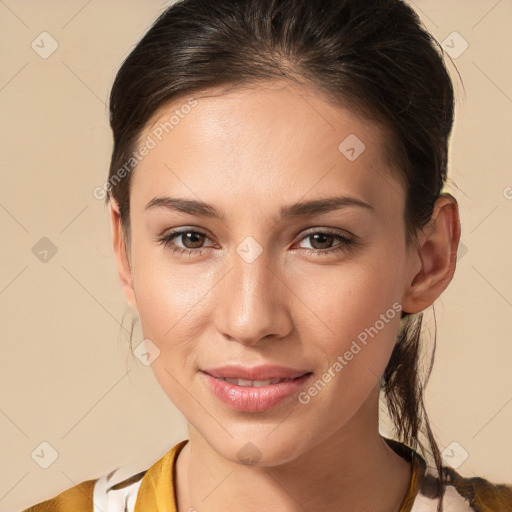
(254,399)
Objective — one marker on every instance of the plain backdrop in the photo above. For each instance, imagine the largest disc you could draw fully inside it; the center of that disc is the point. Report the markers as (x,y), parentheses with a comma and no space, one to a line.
(67,376)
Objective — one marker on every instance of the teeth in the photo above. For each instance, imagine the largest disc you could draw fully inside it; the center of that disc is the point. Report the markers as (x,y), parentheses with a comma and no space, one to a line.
(253,383)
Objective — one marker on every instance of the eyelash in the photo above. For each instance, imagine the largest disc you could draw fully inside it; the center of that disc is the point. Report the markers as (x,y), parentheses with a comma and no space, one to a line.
(167,241)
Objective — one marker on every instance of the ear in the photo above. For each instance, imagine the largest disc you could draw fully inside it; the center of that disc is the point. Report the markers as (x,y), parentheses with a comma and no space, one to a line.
(437,253)
(123,262)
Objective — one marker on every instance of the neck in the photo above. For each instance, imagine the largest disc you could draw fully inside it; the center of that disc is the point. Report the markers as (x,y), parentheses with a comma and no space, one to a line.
(335,474)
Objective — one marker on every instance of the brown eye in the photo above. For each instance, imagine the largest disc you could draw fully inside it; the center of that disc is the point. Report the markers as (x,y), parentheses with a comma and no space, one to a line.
(185,241)
(325,242)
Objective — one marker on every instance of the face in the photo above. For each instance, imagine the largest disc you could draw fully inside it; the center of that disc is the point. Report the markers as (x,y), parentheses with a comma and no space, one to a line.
(315,288)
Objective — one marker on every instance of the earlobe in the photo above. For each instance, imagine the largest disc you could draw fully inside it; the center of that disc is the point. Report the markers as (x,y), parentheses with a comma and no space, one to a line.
(120,251)
(437,252)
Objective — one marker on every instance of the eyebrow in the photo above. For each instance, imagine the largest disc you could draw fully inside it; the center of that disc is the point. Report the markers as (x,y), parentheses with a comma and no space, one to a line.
(313,207)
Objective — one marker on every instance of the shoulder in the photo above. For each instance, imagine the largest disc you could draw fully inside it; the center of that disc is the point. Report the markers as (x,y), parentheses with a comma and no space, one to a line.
(462,494)
(119,490)
(79,497)
(115,492)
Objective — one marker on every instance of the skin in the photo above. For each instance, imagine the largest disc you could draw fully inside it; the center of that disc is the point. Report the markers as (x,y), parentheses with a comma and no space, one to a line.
(248,153)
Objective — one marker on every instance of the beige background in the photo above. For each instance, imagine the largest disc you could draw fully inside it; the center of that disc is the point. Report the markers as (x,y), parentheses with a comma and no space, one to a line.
(67,377)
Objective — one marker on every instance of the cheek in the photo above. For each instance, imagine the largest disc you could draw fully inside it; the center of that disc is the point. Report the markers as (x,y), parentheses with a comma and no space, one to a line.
(353,319)
(346,298)
(172,301)
(167,294)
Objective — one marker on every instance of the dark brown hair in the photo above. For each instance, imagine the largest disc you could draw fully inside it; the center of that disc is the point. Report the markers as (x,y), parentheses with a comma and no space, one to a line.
(372,56)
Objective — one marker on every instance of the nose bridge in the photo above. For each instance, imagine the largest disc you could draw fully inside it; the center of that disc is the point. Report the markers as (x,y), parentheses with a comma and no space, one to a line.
(252,306)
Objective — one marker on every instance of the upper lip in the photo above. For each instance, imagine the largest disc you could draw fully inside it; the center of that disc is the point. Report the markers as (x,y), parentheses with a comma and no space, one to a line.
(263,372)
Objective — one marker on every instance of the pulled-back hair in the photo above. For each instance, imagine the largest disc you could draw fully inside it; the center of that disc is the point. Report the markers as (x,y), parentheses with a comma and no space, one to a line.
(374,57)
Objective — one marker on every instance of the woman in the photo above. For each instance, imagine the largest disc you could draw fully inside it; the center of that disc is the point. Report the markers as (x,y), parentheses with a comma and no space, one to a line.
(279,224)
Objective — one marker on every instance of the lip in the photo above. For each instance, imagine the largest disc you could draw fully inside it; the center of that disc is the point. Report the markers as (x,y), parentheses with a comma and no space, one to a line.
(252,398)
(262,372)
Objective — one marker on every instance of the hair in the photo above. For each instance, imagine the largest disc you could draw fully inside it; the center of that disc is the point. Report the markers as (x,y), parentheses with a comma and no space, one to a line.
(373,57)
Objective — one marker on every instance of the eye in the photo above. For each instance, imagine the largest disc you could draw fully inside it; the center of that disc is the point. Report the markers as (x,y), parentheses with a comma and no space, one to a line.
(322,242)
(192,241)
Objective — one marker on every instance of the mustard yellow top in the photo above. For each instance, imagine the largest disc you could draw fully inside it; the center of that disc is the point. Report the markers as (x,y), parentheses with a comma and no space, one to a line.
(153,490)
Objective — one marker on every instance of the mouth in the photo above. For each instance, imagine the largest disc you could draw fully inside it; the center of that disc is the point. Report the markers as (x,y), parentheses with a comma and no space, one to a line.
(255,394)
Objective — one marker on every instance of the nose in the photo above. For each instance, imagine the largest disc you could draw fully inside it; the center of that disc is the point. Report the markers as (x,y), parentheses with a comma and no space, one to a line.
(254,302)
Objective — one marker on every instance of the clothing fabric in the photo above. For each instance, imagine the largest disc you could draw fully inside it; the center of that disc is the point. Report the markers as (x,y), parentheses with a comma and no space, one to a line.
(153,490)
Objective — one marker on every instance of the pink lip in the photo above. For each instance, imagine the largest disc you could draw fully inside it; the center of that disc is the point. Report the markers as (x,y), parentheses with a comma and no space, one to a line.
(252,398)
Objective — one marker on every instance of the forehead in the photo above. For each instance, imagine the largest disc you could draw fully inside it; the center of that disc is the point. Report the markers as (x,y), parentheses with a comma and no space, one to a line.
(273,137)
